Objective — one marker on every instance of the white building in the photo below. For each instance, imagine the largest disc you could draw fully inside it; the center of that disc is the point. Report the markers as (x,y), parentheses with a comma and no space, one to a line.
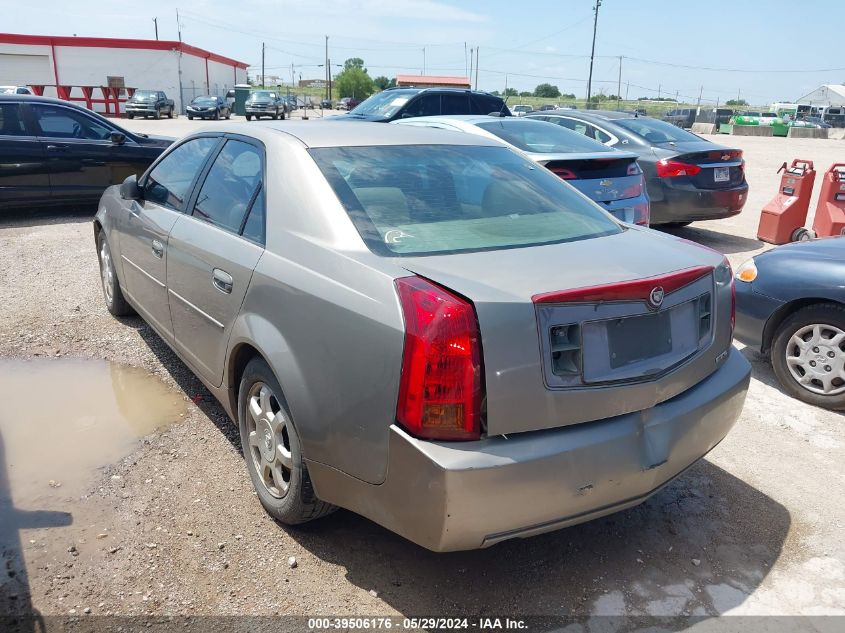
(827,96)
(95,71)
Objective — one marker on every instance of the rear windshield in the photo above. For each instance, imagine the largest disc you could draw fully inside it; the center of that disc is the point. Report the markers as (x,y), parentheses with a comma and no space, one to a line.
(542,137)
(145,94)
(439,199)
(655,131)
(261,94)
(384,104)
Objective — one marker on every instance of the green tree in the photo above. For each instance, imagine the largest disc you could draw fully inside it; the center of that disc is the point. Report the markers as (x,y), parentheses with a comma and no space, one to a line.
(382,82)
(525,93)
(736,102)
(547,91)
(567,95)
(511,92)
(354,62)
(354,82)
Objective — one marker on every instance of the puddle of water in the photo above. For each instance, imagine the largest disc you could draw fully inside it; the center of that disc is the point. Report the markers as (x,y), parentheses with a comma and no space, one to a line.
(62,419)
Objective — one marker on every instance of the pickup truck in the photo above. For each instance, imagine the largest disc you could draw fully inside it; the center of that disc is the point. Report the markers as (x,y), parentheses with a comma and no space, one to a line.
(152,103)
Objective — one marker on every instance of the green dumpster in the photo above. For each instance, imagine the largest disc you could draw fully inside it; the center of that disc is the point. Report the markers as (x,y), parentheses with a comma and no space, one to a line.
(241,95)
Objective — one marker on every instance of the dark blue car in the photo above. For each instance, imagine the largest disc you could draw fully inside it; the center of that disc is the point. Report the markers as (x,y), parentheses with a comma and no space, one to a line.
(791,306)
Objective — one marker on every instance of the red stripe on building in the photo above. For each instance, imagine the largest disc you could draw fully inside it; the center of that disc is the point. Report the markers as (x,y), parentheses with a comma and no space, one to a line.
(113,42)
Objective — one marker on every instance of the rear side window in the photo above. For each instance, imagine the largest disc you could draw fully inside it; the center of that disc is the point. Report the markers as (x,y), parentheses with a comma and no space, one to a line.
(454,103)
(59,122)
(230,186)
(540,137)
(655,131)
(169,183)
(436,199)
(10,120)
(485,104)
(572,124)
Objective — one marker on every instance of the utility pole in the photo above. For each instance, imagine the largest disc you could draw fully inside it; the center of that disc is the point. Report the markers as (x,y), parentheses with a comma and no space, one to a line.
(593,51)
(619,86)
(476,66)
(179,60)
(506,86)
(659,86)
(466,67)
(423,72)
(469,76)
(329,66)
(698,105)
(263,76)
(155,21)
(328,71)
(178,25)
(627,88)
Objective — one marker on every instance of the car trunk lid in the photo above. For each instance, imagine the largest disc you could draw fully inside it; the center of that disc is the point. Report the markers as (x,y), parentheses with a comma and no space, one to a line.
(603,179)
(629,356)
(720,167)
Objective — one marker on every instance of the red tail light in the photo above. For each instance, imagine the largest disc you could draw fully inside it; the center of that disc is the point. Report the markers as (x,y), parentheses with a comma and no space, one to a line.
(563,172)
(440,390)
(673,169)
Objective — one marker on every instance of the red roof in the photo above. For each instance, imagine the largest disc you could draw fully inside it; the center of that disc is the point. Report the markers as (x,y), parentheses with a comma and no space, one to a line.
(421,80)
(114,42)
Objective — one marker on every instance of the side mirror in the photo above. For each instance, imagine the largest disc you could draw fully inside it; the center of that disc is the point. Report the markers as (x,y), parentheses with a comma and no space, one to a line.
(118,138)
(130,190)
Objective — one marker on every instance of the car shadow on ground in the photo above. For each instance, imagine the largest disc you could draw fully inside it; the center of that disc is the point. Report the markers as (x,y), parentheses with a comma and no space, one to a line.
(22,218)
(701,545)
(722,242)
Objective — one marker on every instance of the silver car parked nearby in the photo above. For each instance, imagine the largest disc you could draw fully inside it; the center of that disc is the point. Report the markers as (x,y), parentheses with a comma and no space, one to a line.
(425,328)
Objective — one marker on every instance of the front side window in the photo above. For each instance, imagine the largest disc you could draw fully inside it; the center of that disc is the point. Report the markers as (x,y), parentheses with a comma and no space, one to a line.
(169,183)
(59,122)
(437,199)
(426,105)
(230,186)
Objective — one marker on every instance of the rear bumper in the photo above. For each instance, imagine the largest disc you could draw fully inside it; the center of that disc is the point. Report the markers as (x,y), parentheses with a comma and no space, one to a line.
(457,496)
(687,204)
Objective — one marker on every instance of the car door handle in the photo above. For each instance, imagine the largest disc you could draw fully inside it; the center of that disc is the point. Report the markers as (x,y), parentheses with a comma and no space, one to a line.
(222,281)
(57,148)
(158,249)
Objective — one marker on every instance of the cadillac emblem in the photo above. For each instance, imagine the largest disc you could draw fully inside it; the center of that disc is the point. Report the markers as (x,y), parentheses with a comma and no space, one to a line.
(655,297)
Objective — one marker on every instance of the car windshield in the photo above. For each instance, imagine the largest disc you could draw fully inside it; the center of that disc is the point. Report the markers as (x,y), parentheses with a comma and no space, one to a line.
(655,131)
(384,104)
(142,95)
(261,94)
(439,199)
(542,137)
(205,100)
(7,90)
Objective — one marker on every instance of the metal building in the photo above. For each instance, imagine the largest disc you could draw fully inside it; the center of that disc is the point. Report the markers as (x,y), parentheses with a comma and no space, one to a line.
(100,72)
(827,95)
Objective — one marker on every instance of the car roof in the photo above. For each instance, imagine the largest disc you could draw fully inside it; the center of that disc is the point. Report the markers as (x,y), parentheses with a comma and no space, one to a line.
(351,133)
(36,99)
(441,88)
(472,119)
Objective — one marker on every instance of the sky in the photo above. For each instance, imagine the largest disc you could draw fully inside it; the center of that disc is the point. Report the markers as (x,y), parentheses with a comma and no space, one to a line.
(760,52)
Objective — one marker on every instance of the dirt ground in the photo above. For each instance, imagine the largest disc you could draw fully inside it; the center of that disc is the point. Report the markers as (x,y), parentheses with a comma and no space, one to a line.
(173,527)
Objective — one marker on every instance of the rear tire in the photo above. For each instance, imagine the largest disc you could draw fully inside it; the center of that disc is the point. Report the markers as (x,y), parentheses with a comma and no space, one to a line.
(190,118)
(170,113)
(249,117)
(791,363)
(272,449)
(130,116)
(115,301)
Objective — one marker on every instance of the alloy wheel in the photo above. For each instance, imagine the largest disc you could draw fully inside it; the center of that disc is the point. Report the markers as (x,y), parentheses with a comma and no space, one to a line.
(268,433)
(107,272)
(815,357)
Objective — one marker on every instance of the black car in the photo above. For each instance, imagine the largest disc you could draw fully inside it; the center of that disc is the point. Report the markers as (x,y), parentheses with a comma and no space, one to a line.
(688,177)
(403,103)
(265,103)
(54,152)
(682,117)
(208,107)
(790,305)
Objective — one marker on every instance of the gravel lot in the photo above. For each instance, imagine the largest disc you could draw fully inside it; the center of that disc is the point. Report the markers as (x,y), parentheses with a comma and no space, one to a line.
(174,528)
